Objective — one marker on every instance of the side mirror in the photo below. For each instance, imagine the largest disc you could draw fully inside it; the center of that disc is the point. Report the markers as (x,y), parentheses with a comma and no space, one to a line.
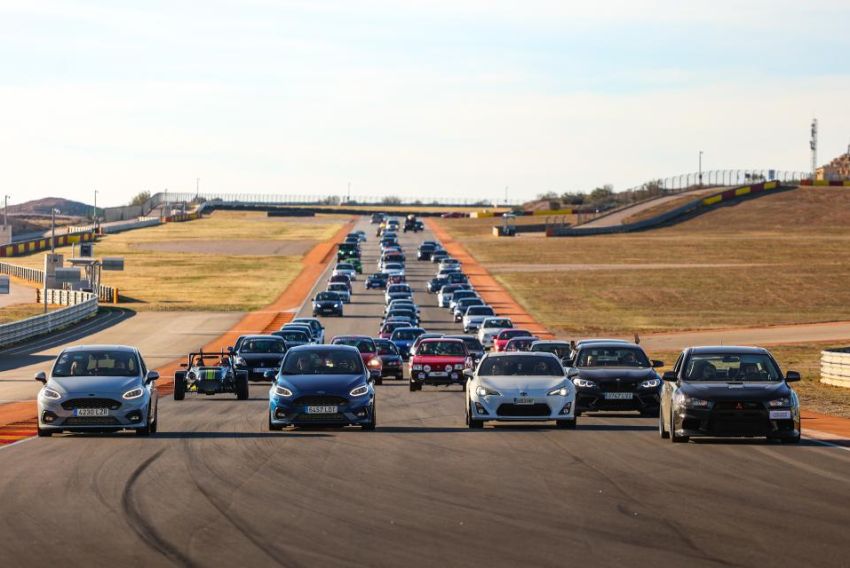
(468,373)
(151,377)
(269,375)
(230,349)
(572,373)
(670,376)
(792,376)
(41,377)
(656,363)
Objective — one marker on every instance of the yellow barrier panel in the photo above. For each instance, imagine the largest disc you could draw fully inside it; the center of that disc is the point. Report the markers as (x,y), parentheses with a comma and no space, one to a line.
(743,191)
(771,185)
(481,214)
(713,199)
(555,212)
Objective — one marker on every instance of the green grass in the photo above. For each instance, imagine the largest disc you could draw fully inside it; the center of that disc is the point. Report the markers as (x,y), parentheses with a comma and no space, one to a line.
(155,280)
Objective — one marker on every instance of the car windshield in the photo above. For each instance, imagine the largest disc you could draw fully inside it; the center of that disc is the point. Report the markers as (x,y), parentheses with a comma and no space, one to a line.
(612,357)
(362,345)
(324,362)
(327,297)
(105,363)
(447,348)
(407,334)
(562,350)
(292,335)
(344,266)
(395,288)
(511,333)
(472,343)
(386,348)
(337,287)
(479,311)
(314,324)
(519,365)
(378,276)
(393,266)
(731,367)
(498,323)
(262,346)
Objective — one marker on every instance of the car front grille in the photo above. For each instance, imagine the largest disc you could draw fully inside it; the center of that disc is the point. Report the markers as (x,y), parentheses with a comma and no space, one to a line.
(739,417)
(91,403)
(320,400)
(618,386)
(91,421)
(326,418)
(538,409)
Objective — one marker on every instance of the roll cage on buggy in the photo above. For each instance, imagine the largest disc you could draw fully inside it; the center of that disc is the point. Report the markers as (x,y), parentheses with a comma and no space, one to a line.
(209,374)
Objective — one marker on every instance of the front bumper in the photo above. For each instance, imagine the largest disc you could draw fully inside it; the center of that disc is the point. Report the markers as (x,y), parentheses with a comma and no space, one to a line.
(437,378)
(595,399)
(131,414)
(258,373)
(745,424)
(505,408)
(327,310)
(352,412)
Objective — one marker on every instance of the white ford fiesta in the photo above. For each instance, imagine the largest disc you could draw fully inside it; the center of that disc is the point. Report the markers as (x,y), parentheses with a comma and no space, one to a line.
(520,387)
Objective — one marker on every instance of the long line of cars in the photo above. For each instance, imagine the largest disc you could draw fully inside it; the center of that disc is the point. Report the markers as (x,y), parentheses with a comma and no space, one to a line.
(506,373)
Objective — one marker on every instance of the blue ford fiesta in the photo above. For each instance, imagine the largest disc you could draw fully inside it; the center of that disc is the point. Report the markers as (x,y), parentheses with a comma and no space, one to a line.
(322,385)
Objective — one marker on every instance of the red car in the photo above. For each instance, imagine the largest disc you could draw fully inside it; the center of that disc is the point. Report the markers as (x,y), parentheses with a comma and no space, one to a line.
(439,361)
(397,279)
(506,335)
(520,343)
(368,352)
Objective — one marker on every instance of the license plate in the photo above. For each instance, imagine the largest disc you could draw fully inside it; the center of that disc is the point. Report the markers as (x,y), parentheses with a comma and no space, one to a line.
(322,409)
(91,412)
(618,396)
(438,374)
(524,400)
(780,414)
(264,369)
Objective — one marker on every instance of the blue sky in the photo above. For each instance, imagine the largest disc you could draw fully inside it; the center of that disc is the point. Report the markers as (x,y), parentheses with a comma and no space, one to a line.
(411,98)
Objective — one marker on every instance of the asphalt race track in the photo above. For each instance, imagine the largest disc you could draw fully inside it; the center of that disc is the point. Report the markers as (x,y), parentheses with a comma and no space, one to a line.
(216,488)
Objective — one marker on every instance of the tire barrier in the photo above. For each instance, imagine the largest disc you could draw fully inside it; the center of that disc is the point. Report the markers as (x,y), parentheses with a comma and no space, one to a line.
(835,367)
(690,209)
(41,244)
(826,183)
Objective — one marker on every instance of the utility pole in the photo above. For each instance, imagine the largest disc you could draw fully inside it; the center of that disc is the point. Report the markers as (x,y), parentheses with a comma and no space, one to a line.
(813,144)
(700,168)
(348,199)
(197,188)
(94,211)
(5,209)
(506,196)
(53,213)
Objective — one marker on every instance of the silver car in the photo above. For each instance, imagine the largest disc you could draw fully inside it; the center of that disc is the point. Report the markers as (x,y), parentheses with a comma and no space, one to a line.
(99,388)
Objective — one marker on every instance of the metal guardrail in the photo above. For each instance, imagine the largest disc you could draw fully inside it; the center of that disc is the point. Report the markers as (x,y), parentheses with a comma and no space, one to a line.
(62,297)
(16,332)
(835,367)
(22,272)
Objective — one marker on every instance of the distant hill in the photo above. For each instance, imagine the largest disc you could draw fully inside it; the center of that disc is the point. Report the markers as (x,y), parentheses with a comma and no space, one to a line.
(66,207)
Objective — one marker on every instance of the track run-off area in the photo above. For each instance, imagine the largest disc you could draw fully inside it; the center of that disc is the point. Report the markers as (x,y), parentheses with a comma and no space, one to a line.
(215,487)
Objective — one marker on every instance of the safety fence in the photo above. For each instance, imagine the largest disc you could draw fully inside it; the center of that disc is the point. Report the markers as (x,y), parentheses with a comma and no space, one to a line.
(16,332)
(62,297)
(42,244)
(679,213)
(835,367)
(104,293)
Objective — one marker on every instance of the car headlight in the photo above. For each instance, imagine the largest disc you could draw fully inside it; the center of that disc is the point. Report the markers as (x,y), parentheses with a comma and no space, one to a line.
(282,391)
(240,361)
(459,367)
(484,391)
(360,391)
(337,305)
(134,393)
(50,394)
(416,367)
(374,362)
(561,391)
(682,399)
(779,402)
(426,368)
(650,384)
(584,383)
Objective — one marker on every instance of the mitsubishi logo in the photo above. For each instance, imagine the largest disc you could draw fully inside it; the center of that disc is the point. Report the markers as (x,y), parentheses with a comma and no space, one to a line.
(739,406)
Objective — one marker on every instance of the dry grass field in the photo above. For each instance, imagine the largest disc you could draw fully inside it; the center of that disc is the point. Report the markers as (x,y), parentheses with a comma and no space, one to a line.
(8,314)
(204,275)
(779,259)
(464,229)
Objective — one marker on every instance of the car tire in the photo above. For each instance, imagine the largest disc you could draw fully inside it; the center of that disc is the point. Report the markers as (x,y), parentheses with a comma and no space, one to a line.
(673,437)
(146,430)
(415,387)
(370,426)
(794,440)
(179,385)
(400,376)
(566,424)
(662,432)
(274,427)
(155,423)
(470,422)
(241,384)
(379,381)
(463,386)
(43,433)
